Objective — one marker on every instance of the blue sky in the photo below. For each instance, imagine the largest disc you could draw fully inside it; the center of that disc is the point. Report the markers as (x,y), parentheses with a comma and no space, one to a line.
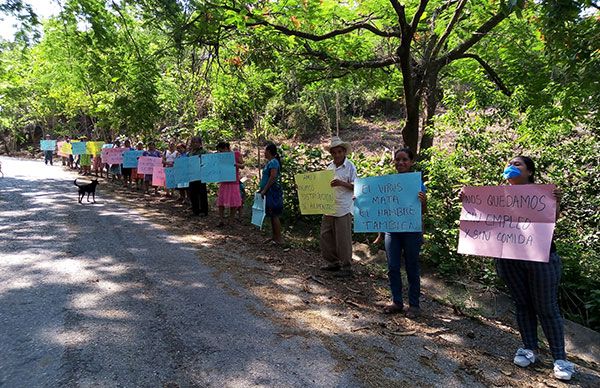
(43,8)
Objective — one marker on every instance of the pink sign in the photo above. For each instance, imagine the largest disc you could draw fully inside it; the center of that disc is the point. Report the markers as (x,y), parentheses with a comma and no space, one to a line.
(158,176)
(59,151)
(112,155)
(509,222)
(147,163)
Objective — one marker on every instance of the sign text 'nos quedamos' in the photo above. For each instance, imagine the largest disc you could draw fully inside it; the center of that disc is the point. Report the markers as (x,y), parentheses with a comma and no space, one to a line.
(510,222)
(388,203)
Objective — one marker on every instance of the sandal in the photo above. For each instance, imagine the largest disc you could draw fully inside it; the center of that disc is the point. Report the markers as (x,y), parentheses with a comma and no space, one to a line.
(392,308)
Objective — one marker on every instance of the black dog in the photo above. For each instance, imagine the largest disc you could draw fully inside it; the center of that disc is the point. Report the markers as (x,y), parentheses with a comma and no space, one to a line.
(88,189)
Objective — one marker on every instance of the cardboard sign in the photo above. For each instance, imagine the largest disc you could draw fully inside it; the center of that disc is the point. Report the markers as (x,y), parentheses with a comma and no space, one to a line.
(158,176)
(259,210)
(181,171)
(146,164)
(78,148)
(194,168)
(112,155)
(218,167)
(315,194)
(170,181)
(510,222)
(47,145)
(93,147)
(388,203)
(130,158)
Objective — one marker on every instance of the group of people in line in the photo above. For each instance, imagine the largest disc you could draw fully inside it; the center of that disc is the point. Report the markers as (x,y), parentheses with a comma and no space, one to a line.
(533,286)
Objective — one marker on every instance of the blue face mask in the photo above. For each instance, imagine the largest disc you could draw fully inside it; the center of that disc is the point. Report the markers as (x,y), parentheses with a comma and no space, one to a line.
(511,172)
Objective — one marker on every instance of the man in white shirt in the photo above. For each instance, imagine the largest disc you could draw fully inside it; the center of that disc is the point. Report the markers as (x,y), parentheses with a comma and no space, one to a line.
(336,229)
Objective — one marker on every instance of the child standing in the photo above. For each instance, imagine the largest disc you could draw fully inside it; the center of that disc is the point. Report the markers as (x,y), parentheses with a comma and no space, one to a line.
(336,229)
(407,244)
(229,195)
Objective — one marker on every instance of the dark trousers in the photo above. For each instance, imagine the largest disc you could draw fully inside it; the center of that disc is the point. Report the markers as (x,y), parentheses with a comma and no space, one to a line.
(534,288)
(48,157)
(407,245)
(199,198)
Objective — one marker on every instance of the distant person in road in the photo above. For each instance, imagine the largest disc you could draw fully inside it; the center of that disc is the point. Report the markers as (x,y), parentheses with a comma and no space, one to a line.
(127,172)
(533,287)
(270,189)
(229,195)
(407,244)
(48,154)
(336,229)
(115,169)
(85,160)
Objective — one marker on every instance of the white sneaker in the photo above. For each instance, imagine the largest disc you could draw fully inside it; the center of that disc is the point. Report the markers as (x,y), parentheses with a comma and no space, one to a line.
(524,357)
(563,370)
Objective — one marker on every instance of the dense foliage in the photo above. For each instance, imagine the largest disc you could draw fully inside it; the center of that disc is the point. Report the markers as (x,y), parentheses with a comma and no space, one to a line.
(479,81)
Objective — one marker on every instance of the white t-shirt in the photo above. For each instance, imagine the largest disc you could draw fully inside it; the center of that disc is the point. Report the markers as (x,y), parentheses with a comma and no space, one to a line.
(343,196)
(170,157)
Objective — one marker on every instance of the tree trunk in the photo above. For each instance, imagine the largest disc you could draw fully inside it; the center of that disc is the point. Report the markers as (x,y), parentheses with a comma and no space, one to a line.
(431,98)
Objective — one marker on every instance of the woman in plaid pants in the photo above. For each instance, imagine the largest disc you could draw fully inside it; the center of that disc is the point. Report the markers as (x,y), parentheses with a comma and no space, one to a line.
(534,289)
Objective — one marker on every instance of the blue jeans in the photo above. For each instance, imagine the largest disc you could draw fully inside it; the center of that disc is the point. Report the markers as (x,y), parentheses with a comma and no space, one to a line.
(410,244)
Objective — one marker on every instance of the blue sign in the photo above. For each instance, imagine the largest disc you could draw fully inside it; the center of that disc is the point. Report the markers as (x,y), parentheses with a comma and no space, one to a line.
(259,209)
(130,158)
(170,182)
(181,169)
(47,145)
(78,147)
(219,167)
(388,203)
(195,168)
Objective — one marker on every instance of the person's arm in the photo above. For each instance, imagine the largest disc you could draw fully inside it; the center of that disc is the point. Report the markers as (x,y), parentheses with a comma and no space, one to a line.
(379,239)
(271,182)
(240,162)
(423,199)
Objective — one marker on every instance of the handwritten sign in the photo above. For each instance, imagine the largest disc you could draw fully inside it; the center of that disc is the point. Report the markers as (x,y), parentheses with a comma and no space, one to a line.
(510,222)
(66,148)
(218,167)
(315,194)
(93,147)
(60,148)
(388,203)
(158,176)
(78,147)
(130,158)
(170,181)
(47,145)
(147,163)
(258,210)
(112,155)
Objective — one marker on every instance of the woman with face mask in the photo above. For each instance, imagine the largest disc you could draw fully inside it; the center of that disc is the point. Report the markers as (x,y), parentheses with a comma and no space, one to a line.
(534,288)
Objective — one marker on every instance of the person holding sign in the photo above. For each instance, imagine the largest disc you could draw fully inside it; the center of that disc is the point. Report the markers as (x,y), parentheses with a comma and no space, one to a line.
(85,159)
(48,154)
(270,188)
(407,244)
(533,286)
(336,228)
(197,191)
(229,195)
(152,152)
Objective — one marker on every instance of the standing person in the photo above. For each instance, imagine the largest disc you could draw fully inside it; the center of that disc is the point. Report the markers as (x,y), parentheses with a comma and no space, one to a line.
(70,159)
(153,152)
(229,195)
(336,229)
(197,189)
(127,171)
(65,158)
(270,187)
(85,160)
(533,287)
(407,244)
(169,157)
(139,178)
(181,153)
(115,169)
(48,154)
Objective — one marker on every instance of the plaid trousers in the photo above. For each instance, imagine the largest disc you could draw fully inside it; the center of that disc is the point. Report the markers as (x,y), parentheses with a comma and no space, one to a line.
(534,289)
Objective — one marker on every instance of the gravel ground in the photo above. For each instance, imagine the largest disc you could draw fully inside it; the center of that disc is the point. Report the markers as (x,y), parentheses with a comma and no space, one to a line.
(132,291)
